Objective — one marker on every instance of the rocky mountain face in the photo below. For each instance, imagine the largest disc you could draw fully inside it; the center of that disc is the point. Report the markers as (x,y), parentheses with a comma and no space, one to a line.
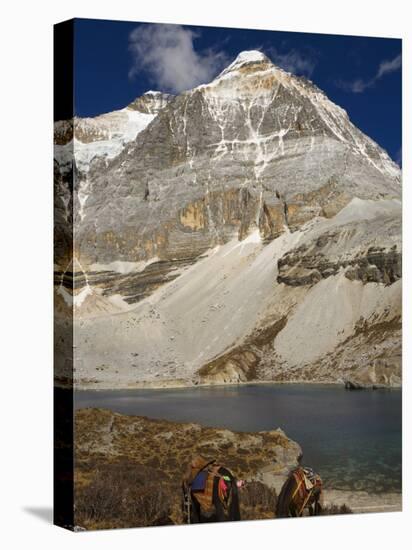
(245,229)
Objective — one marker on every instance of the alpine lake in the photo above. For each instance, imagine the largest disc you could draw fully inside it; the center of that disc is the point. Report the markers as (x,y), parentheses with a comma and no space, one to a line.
(353,439)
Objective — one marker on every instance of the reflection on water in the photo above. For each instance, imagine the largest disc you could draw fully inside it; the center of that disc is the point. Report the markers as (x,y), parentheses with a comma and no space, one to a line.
(353,439)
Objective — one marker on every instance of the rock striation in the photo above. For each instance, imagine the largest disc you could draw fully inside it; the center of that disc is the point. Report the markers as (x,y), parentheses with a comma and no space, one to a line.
(203,219)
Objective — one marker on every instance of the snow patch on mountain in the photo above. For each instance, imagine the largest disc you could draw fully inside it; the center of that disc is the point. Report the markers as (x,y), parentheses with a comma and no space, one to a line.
(127,125)
(123,267)
(105,136)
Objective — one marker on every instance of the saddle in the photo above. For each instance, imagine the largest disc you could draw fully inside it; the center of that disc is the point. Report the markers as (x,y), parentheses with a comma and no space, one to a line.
(307,481)
(200,478)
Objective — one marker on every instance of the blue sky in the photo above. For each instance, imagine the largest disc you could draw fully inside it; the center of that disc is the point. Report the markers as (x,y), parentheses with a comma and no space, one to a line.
(117,61)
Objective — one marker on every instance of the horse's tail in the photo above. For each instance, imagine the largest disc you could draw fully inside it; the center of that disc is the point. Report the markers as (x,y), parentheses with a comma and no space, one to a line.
(283,500)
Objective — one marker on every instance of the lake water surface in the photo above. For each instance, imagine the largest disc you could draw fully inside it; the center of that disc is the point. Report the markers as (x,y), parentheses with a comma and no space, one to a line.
(352,438)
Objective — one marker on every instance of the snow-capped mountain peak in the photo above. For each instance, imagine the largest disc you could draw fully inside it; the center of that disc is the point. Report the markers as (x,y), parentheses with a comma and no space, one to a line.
(246,58)
(105,136)
(272,103)
(251,56)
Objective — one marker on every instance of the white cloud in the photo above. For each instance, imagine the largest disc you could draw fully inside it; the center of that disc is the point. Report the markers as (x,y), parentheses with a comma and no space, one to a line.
(389,66)
(360,85)
(293,61)
(167,55)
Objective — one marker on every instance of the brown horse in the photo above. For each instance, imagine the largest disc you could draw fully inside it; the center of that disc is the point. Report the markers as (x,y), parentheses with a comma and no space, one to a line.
(210,493)
(301,491)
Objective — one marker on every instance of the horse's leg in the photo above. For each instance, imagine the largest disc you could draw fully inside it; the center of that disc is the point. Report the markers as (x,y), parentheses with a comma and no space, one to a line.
(317,507)
(220,513)
(292,510)
(285,506)
(234,508)
(195,515)
(318,502)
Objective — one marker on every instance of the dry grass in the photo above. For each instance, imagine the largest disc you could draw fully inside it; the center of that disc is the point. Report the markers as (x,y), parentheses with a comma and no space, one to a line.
(257,501)
(123,494)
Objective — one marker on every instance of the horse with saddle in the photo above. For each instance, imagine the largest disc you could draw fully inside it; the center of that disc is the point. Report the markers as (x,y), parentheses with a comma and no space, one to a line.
(210,493)
(301,491)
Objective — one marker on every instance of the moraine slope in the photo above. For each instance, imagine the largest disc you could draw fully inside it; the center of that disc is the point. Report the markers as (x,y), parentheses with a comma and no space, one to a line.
(249,231)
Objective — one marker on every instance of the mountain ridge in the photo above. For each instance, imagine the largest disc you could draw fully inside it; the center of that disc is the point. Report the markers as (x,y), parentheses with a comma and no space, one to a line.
(236,202)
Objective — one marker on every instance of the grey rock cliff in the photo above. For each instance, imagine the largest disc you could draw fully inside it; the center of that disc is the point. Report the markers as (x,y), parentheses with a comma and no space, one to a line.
(257,157)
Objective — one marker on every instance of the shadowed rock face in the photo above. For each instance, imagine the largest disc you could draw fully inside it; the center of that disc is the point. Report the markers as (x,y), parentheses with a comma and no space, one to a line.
(259,165)
(367,248)
(307,267)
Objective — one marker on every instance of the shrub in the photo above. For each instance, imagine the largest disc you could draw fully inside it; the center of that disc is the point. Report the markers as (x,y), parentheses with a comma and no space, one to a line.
(256,493)
(257,500)
(123,494)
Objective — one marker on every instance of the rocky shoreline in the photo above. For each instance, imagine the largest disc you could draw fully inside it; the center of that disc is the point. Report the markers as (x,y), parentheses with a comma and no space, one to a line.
(99,385)
(362,502)
(166,444)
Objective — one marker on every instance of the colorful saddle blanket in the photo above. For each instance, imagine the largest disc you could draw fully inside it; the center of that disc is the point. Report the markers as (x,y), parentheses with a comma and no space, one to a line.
(200,478)
(199,482)
(205,496)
